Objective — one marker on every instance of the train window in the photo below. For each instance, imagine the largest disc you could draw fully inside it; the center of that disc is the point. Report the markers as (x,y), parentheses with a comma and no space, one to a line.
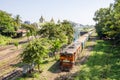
(62,54)
(71,47)
(66,60)
(69,55)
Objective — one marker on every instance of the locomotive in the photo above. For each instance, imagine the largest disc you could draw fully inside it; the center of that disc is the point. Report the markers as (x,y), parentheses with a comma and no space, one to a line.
(69,54)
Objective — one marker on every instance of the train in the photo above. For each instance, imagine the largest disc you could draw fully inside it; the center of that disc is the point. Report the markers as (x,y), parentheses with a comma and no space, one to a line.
(70,53)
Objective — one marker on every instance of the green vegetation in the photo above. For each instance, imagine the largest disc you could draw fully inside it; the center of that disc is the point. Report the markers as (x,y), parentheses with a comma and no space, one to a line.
(31,30)
(35,52)
(103,63)
(108,22)
(62,31)
(53,37)
(16,43)
(17,22)
(4,40)
(8,24)
(67,30)
(32,76)
(56,45)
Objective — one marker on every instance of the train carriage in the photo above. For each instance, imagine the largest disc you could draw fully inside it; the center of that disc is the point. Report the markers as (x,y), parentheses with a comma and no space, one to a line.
(69,54)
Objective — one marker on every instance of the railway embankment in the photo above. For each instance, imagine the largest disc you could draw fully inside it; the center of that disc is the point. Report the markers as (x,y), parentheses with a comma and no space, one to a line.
(102,64)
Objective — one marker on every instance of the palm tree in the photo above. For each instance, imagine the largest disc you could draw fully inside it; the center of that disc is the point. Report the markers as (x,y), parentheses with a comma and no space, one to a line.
(17,21)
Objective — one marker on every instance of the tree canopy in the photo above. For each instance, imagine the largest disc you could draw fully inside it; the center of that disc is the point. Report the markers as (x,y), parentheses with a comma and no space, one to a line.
(35,51)
(62,31)
(6,24)
(108,21)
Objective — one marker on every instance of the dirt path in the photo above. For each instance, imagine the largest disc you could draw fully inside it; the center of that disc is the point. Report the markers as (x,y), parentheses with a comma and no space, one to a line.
(8,57)
(54,73)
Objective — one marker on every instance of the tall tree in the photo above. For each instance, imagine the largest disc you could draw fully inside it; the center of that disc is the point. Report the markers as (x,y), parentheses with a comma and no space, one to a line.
(101,17)
(116,28)
(17,21)
(68,30)
(108,21)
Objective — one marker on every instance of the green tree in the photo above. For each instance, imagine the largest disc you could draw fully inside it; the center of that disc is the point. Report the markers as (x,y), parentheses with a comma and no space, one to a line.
(6,24)
(17,21)
(68,30)
(16,43)
(48,30)
(107,21)
(35,52)
(56,44)
(31,30)
(52,31)
(116,24)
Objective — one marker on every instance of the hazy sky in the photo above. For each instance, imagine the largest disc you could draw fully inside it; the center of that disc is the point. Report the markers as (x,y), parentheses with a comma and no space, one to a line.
(80,11)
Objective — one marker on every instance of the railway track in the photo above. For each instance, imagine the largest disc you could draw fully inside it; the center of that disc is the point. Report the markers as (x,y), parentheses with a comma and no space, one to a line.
(7,47)
(9,64)
(13,59)
(9,54)
(12,75)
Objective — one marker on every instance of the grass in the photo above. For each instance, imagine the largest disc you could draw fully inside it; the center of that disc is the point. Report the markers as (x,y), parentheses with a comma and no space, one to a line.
(103,63)
(4,40)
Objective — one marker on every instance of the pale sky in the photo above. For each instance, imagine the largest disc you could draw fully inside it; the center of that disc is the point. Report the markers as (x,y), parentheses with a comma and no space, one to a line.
(80,11)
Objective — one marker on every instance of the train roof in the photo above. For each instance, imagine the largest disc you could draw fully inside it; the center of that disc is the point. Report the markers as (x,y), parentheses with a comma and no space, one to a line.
(70,49)
(83,38)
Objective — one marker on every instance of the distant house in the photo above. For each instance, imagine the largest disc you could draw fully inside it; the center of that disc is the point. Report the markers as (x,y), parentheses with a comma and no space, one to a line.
(27,22)
(21,32)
